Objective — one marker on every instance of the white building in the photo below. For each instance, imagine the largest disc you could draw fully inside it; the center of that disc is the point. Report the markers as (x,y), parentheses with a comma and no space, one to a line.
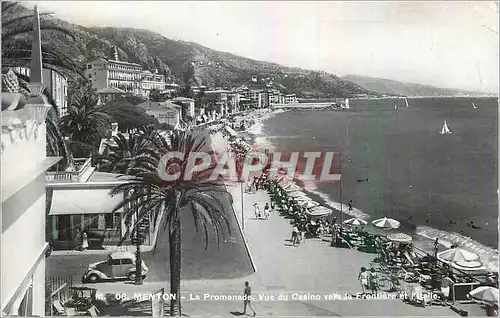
(151,81)
(165,112)
(104,73)
(24,162)
(55,83)
(188,104)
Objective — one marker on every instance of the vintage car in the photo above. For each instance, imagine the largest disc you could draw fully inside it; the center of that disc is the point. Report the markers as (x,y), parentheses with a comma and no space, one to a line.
(118,265)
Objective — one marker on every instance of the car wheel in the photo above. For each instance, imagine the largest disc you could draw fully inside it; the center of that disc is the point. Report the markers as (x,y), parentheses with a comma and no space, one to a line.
(131,276)
(93,278)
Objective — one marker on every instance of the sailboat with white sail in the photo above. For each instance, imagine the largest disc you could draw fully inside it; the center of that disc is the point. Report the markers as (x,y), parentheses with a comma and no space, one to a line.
(406,102)
(395,107)
(445,130)
(474,106)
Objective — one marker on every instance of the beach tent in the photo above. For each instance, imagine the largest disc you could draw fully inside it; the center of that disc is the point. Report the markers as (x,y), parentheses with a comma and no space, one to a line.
(297,194)
(469,267)
(485,293)
(319,211)
(399,238)
(355,222)
(302,199)
(457,255)
(308,204)
(290,187)
(386,223)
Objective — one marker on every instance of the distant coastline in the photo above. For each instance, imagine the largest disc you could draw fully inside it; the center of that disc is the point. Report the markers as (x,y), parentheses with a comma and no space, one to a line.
(331,100)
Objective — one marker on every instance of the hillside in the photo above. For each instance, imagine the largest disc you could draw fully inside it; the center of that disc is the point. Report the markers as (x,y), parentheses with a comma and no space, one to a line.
(390,87)
(212,68)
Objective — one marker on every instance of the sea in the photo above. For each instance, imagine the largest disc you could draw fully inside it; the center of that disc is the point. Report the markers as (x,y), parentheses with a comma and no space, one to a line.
(434,184)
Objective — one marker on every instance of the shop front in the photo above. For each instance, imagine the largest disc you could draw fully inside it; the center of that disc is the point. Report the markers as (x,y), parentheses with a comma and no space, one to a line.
(76,211)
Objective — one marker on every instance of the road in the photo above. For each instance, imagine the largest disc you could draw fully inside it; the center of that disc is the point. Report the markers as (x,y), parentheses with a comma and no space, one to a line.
(226,260)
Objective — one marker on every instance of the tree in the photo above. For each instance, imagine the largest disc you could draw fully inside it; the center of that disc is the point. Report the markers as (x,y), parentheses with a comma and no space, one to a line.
(127,115)
(188,79)
(152,194)
(122,152)
(156,96)
(17,25)
(85,123)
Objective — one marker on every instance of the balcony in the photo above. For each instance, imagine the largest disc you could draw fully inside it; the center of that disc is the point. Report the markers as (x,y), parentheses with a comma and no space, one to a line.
(83,170)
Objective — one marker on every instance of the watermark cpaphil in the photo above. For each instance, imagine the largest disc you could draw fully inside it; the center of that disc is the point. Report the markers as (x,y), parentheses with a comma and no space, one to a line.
(234,167)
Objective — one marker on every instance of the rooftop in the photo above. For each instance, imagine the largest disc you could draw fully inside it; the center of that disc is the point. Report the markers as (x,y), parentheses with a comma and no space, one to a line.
(114,61)
(183,99)
(110,90)
(217,91)
(98,176)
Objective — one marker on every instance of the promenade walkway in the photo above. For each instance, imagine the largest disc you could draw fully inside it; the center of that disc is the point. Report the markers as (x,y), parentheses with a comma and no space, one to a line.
(314,268)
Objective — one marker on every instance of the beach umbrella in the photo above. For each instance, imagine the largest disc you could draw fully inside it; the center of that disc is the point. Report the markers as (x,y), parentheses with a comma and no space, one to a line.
(319,211)
(485,293)
(355,222)
(297,194)
(457,255)
(386,223)
(291,187)
(468,267)
(308,204)
(399,237)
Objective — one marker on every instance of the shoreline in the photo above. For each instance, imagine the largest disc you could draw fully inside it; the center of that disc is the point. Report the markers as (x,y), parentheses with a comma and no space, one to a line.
(423,235)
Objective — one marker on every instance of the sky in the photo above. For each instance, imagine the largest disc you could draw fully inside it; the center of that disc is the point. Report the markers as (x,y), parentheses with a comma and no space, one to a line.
(446,44)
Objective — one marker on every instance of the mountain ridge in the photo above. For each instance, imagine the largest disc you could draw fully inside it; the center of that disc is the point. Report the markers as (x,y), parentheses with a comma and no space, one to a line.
(393,87)
(212,68)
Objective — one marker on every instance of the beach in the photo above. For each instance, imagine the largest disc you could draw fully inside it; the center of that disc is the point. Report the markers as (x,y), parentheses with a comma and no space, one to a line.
(411,171)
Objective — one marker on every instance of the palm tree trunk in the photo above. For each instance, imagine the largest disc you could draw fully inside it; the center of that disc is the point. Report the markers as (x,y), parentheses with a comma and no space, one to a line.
(175,266)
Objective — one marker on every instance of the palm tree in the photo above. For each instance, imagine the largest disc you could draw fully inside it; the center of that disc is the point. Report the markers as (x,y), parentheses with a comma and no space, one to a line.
(152,194)
(122,152)
(85,123)
(16,41)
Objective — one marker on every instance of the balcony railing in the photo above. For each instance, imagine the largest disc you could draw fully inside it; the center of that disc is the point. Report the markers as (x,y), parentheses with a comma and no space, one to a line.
(82,165)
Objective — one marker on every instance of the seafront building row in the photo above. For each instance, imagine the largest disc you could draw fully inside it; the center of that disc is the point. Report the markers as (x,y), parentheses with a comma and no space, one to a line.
(121,77)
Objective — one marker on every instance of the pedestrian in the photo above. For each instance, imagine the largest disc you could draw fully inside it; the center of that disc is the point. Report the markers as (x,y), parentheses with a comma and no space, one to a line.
(85,242)
(363,279)
(78,240)
(266,211)
(350,205)
(272,205)
(436,247)
(302,231)
(374,281)
(247,297)
(295,235)
(256,211)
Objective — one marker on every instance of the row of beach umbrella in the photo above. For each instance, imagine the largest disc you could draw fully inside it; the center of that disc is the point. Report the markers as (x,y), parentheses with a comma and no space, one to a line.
(458,258)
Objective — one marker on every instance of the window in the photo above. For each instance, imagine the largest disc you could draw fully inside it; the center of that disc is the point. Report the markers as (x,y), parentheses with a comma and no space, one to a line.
(115,262)
(108,219)
(127,262)
(91,221)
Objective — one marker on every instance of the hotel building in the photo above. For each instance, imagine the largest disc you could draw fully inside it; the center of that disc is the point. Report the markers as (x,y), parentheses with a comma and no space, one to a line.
(151,81)
(104,73)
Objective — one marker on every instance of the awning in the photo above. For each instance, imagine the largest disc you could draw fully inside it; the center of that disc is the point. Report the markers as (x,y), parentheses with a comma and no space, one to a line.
(87,201)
